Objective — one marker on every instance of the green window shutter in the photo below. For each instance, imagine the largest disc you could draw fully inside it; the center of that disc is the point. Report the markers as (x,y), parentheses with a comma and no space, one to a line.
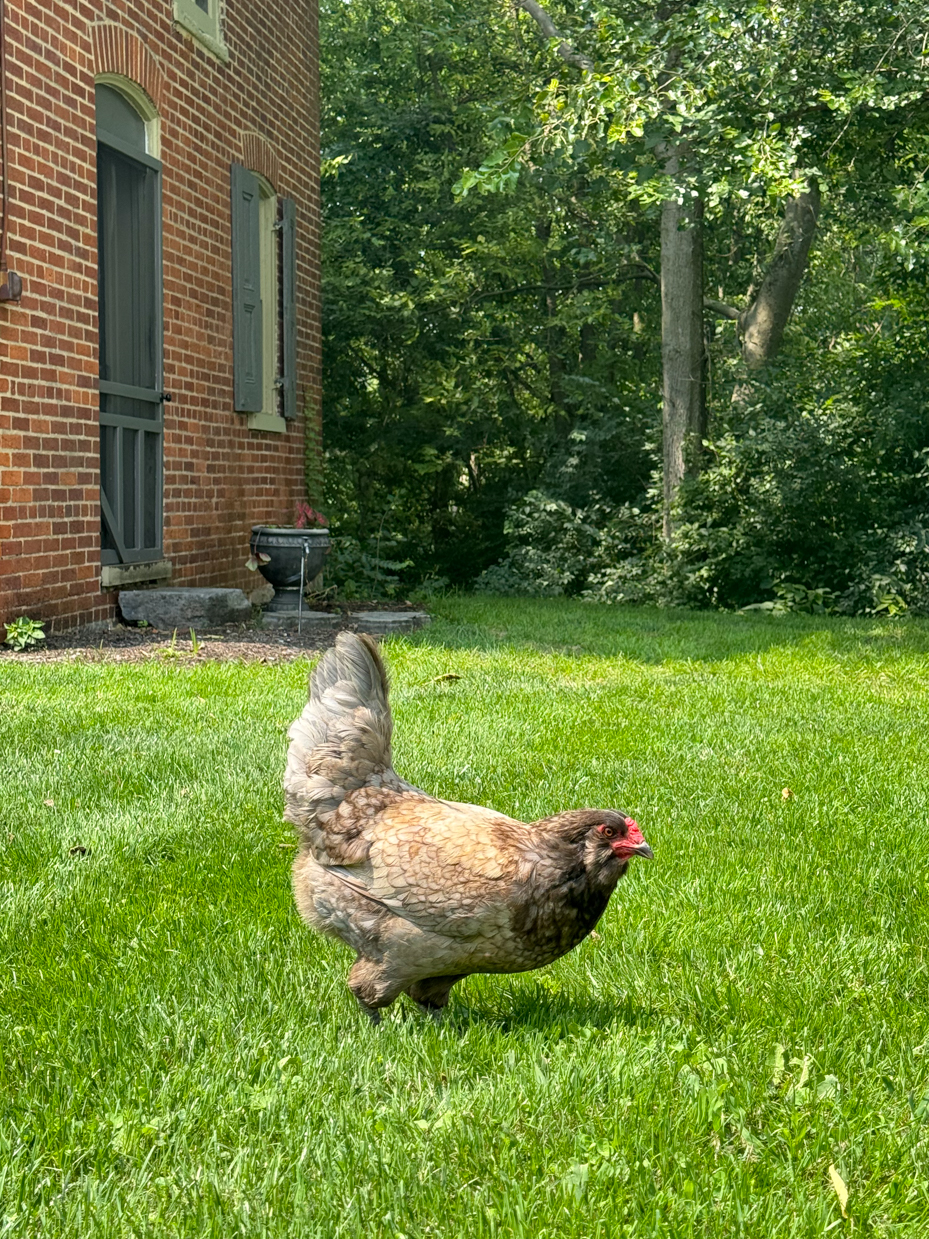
(289,302)
(248,380)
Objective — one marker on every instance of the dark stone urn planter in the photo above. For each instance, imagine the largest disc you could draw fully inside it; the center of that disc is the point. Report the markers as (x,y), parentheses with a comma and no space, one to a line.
(288,548)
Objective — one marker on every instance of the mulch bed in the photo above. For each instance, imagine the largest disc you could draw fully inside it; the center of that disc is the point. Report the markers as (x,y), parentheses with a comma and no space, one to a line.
(120,643)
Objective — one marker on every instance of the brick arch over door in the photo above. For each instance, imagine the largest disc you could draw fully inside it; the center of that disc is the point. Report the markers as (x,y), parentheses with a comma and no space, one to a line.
(258,155)
(119,51)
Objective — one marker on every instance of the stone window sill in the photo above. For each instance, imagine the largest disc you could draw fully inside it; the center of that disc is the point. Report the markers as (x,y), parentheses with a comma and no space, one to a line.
(204,27)
(267,421)
(115,576)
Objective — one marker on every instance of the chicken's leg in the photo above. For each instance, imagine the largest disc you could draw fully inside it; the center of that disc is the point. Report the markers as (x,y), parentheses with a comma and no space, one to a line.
(431,994)
(373,987)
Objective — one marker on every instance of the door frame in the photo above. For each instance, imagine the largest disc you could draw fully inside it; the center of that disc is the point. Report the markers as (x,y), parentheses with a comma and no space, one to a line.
(122,554)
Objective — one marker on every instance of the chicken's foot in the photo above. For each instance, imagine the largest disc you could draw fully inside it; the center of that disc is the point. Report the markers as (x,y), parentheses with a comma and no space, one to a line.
(372,1013)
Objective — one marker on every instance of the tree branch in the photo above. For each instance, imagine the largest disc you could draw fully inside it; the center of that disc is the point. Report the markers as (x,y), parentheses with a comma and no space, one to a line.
(650,272)
(639,271)
(721,309)
(550,30)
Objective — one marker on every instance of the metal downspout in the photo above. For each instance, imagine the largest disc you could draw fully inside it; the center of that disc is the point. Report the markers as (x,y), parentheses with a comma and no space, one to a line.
(12,287)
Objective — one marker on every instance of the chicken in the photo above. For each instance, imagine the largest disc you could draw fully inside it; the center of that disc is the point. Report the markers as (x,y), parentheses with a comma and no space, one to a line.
(428,891)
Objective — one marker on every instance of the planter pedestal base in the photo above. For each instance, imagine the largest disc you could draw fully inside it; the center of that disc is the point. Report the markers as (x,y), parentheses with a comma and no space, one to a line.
(285,600)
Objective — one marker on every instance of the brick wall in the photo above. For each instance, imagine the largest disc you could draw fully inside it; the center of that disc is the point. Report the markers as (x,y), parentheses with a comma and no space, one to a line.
(220,477)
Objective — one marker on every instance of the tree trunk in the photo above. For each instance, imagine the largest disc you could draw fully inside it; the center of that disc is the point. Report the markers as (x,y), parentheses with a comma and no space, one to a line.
(554,335)
(762,324)
(684,405)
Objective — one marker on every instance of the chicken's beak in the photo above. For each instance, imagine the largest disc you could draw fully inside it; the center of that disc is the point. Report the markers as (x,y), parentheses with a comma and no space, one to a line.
(634,843)
(626,850)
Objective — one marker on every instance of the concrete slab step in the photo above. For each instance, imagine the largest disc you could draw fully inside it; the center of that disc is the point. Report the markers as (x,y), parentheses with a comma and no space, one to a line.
(379,623)
(290,619)
(185,608)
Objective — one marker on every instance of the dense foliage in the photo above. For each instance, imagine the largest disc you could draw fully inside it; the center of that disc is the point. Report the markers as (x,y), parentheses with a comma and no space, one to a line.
(492,359)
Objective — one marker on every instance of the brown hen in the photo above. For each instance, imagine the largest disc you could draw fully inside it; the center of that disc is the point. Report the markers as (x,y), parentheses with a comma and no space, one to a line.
(427,891)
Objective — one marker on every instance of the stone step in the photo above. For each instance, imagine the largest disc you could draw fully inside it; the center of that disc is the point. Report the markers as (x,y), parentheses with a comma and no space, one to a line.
(290,619)
(185,608)
(379,623)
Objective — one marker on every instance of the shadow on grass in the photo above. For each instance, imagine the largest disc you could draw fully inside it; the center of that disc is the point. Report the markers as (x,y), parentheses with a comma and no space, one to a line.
(652,635)
(491,1004)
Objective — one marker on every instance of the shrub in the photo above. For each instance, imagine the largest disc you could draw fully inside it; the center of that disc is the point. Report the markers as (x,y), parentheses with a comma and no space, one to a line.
(366,569)
(24,632)
(552,549)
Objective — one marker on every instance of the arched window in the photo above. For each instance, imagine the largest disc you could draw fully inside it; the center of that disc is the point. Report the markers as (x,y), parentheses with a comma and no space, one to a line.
(130,329)
(117,118)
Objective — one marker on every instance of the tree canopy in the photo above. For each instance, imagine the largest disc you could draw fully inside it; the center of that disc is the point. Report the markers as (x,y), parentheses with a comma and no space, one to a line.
(500,305)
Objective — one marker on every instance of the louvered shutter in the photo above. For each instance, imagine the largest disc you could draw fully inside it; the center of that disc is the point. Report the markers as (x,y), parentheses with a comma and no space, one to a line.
(248,381)
(289,302)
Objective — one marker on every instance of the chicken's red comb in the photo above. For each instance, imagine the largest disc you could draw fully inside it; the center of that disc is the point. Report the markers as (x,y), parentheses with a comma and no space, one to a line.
(635,835)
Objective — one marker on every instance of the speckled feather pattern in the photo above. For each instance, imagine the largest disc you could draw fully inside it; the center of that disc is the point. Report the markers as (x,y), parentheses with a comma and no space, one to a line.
(424,890)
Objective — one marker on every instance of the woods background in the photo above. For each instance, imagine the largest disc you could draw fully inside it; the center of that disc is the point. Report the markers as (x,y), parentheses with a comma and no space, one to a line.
(629,302)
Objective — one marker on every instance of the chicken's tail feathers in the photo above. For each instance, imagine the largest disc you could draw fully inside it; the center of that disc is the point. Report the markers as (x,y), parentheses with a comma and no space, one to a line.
(341,742)
(354,666)
(350,677)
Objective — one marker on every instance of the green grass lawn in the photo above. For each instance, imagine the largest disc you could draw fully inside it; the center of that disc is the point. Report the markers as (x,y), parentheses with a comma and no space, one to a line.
(179,1055)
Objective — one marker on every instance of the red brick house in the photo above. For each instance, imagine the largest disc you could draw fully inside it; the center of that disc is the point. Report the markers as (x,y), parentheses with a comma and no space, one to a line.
(159,292)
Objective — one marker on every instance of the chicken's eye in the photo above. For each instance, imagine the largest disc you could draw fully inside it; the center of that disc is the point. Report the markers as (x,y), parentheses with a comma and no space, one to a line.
(607,831)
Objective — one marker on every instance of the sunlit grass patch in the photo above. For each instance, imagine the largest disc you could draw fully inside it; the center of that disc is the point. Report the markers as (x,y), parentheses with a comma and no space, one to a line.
(179,1056)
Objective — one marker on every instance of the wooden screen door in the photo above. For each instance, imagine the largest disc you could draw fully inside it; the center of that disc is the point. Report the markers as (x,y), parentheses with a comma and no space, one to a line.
(130,311)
